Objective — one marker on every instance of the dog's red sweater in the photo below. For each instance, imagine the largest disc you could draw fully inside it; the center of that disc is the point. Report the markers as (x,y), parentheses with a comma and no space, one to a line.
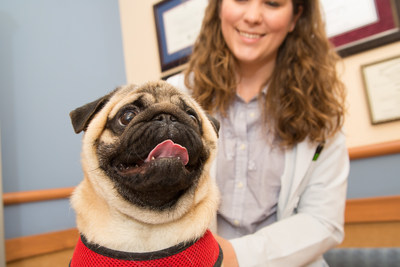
(204,252)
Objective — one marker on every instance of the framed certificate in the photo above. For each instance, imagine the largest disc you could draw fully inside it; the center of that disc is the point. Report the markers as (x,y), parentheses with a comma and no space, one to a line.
(354,27)
(382,85)
(178,23)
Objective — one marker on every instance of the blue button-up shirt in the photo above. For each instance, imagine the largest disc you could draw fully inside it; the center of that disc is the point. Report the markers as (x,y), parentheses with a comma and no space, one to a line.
(249,168)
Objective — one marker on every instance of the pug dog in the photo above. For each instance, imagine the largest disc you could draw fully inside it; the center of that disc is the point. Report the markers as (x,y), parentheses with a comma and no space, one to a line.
(147,198)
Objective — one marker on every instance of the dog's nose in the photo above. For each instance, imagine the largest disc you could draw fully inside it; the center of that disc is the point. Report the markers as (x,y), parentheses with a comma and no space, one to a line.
(165,118)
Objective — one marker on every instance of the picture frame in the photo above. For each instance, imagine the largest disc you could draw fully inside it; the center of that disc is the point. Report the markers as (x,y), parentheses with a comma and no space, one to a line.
(382,85)
(178,23)
(370,33)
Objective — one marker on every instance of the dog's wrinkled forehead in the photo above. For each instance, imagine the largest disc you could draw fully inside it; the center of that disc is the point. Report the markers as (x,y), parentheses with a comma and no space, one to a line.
(161,91)
(149,94)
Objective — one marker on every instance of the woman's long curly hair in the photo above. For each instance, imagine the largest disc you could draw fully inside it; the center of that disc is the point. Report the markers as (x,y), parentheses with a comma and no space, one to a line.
(305,97)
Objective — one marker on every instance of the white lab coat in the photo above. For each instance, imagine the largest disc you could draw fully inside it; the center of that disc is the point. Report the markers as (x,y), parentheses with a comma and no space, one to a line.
(310,207)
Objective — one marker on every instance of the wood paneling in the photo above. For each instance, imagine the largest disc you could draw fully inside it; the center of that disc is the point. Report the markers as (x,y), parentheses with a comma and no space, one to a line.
(372,222)
(370,235)
(375,150)
(371,210)
(36,195)
(60,258)
(28,246)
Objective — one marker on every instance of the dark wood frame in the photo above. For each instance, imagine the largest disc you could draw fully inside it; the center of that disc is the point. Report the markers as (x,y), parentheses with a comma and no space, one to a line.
(386,30)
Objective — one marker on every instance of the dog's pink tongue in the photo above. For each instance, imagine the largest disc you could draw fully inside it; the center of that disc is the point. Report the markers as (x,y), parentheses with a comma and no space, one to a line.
(169,149)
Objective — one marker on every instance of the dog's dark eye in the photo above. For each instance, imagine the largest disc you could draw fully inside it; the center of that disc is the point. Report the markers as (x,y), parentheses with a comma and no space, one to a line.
(127,116)
(192,115)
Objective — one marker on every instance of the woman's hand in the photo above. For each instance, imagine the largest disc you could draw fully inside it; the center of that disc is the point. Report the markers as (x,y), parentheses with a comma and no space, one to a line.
(230,259)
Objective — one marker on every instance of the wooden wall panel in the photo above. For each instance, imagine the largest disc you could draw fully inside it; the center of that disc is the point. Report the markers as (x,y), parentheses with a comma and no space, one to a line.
(381,234)
(28,246)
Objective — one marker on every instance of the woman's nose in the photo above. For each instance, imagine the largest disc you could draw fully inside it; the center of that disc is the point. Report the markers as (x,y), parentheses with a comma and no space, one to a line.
(252,12)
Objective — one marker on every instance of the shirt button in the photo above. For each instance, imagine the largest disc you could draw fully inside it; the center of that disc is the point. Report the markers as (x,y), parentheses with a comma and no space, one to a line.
(239,185)
(236,222)
(242,147)
(252,166)
(252,114)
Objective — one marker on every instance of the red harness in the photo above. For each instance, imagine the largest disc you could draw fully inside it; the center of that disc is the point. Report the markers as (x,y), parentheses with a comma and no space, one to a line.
(204,252)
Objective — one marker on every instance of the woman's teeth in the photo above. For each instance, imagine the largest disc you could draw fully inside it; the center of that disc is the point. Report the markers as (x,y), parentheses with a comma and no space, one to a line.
(250,35)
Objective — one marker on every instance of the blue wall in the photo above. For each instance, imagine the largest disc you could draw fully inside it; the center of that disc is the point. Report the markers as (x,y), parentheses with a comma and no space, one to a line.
(54,56)
(374,177)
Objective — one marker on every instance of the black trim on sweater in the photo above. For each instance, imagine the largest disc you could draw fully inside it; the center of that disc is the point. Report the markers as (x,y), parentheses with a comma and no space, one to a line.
(134,256)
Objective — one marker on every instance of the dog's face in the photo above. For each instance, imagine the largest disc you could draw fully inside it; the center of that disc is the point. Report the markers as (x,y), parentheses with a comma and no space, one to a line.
(147,150)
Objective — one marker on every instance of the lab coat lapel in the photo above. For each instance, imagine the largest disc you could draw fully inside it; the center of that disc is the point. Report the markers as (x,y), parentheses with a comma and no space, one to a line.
(304,155)
(297,162)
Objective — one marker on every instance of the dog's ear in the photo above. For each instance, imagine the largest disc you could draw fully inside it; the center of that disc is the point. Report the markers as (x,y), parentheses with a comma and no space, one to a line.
(214,122)
(82,116)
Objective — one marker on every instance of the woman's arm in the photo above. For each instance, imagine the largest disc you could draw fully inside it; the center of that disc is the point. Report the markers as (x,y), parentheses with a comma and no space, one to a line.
(230,259)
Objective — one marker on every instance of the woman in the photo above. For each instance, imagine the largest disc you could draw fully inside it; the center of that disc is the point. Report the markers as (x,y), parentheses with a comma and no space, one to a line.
(266,70)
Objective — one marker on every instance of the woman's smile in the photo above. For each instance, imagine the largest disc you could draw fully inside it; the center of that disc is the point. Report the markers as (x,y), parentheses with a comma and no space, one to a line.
(250,35)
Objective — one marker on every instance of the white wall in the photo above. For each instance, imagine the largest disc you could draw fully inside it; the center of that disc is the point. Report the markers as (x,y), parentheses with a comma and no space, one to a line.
(139,40)
(359,129)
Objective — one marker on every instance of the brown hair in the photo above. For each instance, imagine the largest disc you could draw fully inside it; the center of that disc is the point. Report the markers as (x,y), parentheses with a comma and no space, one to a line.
(305,97)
